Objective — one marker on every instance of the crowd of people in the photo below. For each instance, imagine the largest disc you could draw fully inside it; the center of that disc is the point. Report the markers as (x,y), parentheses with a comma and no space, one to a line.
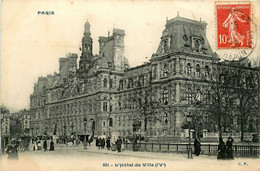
(225,151)
(118,145)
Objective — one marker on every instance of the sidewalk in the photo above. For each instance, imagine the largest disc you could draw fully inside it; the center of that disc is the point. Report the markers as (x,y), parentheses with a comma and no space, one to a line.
(140,154)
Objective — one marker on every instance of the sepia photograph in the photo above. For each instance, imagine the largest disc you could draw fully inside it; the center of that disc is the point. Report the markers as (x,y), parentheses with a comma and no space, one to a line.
(130,85)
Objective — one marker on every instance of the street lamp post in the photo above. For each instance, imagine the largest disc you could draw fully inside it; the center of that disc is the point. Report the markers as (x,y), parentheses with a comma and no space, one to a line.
(85,136)
(189,148)
(65,127)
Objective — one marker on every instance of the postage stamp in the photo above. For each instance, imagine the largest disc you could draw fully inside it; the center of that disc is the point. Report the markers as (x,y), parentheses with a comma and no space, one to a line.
(235,29)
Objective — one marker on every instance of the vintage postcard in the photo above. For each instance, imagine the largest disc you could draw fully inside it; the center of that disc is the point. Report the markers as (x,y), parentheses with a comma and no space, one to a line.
(130,85)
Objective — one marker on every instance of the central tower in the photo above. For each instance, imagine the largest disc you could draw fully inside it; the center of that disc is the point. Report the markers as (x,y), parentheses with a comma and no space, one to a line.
(86,58)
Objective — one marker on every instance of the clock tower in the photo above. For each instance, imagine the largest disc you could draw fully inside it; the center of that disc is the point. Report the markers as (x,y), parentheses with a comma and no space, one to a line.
(86,56)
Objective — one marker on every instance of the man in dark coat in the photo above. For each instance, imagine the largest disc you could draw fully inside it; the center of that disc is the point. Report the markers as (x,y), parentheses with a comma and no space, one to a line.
(108,144)
(45,145)
(52,146)
(229,145)
(135,148)
(119,144)
(221,149)
(12,150)
(103,143)
(99,143)
(197,146)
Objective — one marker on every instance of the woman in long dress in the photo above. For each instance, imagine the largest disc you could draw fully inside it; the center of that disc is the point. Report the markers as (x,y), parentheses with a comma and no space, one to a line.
(221,149)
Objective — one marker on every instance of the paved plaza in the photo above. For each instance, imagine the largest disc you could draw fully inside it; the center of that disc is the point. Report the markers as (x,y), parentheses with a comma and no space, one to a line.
(75,158)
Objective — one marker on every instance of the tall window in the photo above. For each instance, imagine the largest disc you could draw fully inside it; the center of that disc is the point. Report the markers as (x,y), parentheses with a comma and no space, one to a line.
(121,85)
(207,97)
(198,70)
(189,96)
(189,69)
(206,71)
(119,121)
(165,96)
(105,106)
(105,82)
(165,118)
(110,83)
(130,83)
(165,70)
(119,105)
(110,121)
(155,75)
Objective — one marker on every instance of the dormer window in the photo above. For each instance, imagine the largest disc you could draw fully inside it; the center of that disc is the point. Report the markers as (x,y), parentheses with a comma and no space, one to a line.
(165,45)
(109,65)
(196,44)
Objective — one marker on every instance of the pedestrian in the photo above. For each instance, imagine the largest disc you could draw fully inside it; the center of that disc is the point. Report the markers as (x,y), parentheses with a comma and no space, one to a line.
(12,150)
(45,145)
(35,147)
(108,143)
(221,149)
(52,146)
(99,143)
(197,146)
(229,145)
(119,144)
(103,143)
(135,144)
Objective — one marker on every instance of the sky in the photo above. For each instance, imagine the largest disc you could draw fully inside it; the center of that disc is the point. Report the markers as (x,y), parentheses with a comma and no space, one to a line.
(32,44)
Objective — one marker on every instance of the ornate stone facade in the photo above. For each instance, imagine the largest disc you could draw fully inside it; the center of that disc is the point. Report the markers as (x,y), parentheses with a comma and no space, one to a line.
(109,95)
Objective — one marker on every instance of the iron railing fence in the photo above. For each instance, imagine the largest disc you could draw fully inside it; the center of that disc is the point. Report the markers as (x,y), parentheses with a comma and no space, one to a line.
(206,149)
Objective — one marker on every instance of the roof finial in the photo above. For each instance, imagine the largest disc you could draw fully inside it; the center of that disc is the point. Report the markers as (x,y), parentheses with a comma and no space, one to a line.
(178,14)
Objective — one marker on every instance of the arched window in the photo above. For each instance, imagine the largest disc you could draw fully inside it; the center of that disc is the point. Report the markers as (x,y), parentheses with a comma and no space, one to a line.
(165,96)
(189,69)
(198,70)
(165,118)
(206,71)
(105,82)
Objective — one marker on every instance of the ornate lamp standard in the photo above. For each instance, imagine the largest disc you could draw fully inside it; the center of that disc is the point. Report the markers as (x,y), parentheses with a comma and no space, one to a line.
(85,136)
(189,149)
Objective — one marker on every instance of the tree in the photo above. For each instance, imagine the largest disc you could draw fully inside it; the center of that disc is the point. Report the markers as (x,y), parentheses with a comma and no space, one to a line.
(245,98)
(144,103)
(220,94)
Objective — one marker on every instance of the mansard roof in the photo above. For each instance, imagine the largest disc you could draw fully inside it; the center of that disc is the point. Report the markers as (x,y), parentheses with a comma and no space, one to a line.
(182,34)
(138,70)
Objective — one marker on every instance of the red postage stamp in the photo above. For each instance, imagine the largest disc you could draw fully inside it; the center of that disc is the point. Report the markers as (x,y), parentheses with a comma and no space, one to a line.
(234,25)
